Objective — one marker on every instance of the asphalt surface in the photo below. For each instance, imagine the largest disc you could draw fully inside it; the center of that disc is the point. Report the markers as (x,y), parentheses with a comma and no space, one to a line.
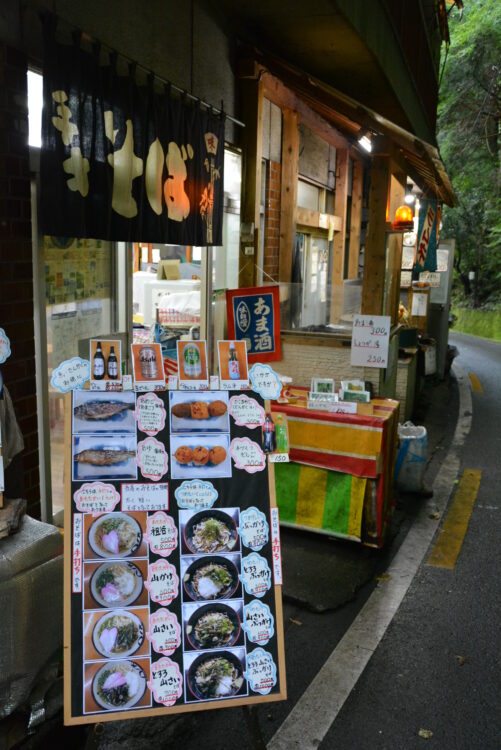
(436,668)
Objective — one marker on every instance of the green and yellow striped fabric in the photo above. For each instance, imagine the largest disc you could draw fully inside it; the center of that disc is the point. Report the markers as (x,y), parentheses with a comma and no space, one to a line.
(320,499)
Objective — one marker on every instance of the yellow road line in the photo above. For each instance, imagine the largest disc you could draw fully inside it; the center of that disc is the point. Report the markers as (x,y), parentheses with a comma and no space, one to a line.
(476,385)
(448,545)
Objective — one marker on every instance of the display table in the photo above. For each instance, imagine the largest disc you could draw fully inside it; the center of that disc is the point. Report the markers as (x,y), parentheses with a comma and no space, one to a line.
(340,478)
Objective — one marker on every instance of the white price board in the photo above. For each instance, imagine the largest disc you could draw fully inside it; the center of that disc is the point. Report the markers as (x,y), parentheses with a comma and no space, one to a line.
(370,340)
(419,305)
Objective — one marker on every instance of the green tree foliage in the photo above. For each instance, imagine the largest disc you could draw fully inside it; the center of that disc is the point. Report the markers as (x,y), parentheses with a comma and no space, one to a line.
(469,136)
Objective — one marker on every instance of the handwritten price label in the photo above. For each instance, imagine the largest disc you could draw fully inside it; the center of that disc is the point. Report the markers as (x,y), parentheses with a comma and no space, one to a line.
(261,671)
(145,496)
(196,494)
(164,632)
(152,459)
(246,411)
(5,350)
(265,381)
(254,529)
(166,682)
(76,568)
(162,583)
(247,455)
(370,340)
(161,534)
(258,622)
(70,375)
(256,575)
(96,498)
(150,414)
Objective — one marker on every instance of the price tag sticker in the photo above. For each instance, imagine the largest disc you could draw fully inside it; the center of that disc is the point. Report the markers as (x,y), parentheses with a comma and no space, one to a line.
(261,671)
(166,682)
(164,632)
(5,350)
(196,494)
(254,530)
(162,583)
(258,622)
(265,381)
(161,534)
(70,375)
(256,575)
(150,414)
(247,455)
(246,411)
(152,459)
(96,498)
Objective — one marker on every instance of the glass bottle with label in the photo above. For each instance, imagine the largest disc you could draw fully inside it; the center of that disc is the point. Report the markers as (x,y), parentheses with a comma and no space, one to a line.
(98,363)
(269,435)
(112,365)
(192,361)
(233,365)
(148,363)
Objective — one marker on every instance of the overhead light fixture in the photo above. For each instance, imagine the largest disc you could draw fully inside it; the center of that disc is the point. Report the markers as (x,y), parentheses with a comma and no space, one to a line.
(365,143)
(409,195)
(404,219)
(364,139)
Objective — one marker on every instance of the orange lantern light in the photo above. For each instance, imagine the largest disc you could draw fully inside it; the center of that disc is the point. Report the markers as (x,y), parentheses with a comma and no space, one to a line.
(404,218)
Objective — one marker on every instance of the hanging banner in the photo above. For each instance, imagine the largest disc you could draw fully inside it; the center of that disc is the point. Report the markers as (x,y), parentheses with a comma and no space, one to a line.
(426,256)
(122,161)
(254,316)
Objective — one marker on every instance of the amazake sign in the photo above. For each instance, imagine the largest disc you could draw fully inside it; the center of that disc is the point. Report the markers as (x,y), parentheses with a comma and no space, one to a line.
(370,340)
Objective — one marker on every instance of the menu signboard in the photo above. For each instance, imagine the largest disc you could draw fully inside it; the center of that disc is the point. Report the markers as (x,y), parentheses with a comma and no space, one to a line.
(172,557)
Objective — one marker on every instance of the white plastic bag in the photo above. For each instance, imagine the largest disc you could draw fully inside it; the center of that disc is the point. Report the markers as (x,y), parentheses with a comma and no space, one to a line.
(411,458)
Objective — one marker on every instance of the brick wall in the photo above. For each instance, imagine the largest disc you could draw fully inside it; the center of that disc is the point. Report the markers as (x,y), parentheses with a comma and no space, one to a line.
(272,220)
(16,268)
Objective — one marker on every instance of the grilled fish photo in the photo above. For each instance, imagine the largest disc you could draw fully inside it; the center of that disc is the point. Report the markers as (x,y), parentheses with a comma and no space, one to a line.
(101,409)
(103,457)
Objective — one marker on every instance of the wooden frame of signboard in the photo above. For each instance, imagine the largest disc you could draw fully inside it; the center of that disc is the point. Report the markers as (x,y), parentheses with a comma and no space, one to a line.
(247,701)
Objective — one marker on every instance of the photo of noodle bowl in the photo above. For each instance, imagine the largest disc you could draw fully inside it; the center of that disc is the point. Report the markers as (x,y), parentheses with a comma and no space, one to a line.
(216,675)
(118,634)
(119,685)
(214,625)
(212,577)
(116,584)
(115,535)
(210,531)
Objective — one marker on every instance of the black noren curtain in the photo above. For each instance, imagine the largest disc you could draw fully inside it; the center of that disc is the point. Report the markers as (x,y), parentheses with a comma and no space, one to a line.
(122,162)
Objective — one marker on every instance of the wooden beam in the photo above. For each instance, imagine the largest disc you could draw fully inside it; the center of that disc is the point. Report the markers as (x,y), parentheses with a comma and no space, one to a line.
(339,243)
(279,94)
(375,242)
(309,218)
(355,218)
(288,197)
(251,92)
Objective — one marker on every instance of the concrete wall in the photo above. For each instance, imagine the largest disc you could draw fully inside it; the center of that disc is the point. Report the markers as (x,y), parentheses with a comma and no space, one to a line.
(183,42)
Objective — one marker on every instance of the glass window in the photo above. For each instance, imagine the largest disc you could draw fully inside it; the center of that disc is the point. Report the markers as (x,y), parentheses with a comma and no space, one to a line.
(308,196)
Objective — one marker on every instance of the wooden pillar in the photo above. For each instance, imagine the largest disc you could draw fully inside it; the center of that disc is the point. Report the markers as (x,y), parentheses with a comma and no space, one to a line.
(375,242)
(251,91)
(339,244)
(288,193)
(356,218)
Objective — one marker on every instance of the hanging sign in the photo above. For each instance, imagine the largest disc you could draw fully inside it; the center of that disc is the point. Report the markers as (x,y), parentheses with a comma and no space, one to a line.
(254,316)
(124,162)
(426,256)
(172,598)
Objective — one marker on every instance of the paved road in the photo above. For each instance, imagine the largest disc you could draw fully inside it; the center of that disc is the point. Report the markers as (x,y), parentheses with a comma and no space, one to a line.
(436,666)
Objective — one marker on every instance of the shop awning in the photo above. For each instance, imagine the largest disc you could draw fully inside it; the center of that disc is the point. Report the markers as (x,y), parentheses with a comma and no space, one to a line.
(421,160)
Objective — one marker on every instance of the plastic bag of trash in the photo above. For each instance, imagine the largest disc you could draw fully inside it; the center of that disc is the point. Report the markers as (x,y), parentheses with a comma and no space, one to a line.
(411,460)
